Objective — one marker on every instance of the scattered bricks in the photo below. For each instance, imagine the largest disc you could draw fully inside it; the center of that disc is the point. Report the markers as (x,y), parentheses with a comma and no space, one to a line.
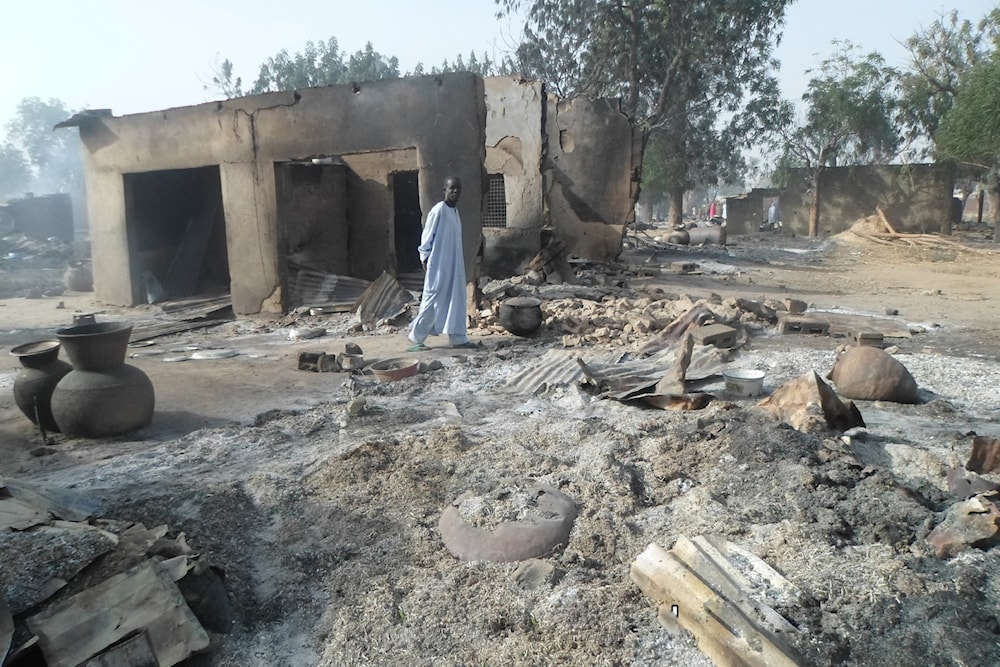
(803,325)
(796,306)
(718,335)
(328,363)
(683,267)
(867,338)
(309,361)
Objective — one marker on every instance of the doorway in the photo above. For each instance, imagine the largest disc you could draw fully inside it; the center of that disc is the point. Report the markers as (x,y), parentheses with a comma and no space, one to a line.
(406,221)
(177,234)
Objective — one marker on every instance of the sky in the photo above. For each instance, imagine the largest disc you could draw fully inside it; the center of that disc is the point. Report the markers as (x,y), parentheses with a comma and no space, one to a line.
(137,55)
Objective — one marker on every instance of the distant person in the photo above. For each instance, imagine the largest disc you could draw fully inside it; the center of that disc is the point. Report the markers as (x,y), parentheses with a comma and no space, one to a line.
(711,210)
(773,215)
(442,304)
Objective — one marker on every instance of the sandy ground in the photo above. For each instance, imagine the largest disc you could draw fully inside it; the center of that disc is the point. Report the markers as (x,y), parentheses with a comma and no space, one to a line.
(326,522)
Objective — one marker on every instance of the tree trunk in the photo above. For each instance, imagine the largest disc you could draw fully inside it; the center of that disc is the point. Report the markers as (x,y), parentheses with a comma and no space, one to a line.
(814,205)
(676,206)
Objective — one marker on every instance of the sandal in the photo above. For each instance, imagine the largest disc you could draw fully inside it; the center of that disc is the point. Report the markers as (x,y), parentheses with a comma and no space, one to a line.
(468,345)
(417,347)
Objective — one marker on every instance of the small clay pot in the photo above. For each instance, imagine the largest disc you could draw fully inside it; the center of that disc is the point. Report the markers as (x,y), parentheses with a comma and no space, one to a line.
(40,372)
(521,315)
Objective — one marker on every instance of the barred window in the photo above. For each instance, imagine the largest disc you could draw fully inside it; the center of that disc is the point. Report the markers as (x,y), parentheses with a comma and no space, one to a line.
(496,203)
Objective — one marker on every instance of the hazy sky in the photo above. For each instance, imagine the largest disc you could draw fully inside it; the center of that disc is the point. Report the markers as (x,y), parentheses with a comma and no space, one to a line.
(137,55)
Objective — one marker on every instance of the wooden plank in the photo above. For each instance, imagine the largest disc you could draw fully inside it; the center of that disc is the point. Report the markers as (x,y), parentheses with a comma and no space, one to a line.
(145,597)
(724,631)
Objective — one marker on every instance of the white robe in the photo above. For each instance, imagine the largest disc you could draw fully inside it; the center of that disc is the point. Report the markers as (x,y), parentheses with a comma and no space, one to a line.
(442,305)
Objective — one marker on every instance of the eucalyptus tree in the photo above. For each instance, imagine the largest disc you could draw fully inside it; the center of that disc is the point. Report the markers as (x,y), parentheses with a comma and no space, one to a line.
(691,70)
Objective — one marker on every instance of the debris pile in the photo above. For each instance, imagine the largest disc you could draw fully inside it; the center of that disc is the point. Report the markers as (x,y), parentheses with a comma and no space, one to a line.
(82,571)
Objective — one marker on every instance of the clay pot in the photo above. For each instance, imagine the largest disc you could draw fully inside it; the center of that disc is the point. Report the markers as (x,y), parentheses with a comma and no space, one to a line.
(102,396)
(40,372)
(521,315)
(868,373)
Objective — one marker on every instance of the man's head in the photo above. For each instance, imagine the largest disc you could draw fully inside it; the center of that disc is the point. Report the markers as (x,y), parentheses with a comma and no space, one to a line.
(452,190)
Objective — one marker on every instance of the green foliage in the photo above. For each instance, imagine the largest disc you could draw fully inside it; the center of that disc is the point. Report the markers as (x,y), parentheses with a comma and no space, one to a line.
(850,113)
(318,64)
(940,55)
(694,75)
(484,66)
(970,131)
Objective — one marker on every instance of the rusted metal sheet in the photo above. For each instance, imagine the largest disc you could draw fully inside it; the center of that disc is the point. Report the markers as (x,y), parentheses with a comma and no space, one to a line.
(384,299)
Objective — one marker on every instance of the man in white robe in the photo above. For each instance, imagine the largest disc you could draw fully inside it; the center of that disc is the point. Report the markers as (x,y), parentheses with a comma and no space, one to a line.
(442,305)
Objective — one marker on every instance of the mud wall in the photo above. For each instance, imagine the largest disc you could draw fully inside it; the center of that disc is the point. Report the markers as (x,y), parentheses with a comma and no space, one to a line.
(588,175)
(916,197)
(441,117)
(515,112)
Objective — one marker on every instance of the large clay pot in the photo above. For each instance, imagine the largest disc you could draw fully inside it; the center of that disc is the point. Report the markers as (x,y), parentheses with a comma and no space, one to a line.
(40,372)
(521,315)
(102,396)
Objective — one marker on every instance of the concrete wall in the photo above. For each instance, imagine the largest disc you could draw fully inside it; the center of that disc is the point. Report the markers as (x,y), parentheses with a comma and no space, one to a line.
(515,111)
(566,164)
(745,212)
(441,117)
(916,197)
(588,171)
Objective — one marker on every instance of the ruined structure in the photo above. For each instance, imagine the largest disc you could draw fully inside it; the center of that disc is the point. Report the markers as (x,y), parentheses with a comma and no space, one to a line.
(246,194)
(917,197)
(553,164)
(239,194)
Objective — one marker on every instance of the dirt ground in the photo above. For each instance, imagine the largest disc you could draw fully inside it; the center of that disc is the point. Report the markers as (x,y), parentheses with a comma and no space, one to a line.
(326,522)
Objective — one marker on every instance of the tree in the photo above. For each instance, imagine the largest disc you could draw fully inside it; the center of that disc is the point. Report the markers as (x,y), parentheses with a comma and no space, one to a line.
(15,172)
(318,64)
(680,67)
(370,65)
(850,118)
(970,130)
(939,56)
(51,158)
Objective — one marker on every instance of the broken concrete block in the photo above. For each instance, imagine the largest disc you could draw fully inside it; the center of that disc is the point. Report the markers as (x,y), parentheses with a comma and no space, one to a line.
(973,522)
(796,306)
(800,324)
(718,335)
(868,373)
(328,363)
(683,267)
(356,406)
(309,361)
(353,348)
(867,338)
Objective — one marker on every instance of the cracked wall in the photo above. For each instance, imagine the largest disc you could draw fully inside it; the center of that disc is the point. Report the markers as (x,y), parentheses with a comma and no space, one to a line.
(440,118)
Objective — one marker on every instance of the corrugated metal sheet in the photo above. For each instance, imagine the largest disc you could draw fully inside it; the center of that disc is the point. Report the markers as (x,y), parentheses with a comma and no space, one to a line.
(313,288)
(187,309)
(561,367)
(556,367)
(384,299)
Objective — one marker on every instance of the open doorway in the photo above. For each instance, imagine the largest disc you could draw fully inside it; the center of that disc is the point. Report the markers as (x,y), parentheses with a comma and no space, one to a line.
(177,234)
(406,221)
